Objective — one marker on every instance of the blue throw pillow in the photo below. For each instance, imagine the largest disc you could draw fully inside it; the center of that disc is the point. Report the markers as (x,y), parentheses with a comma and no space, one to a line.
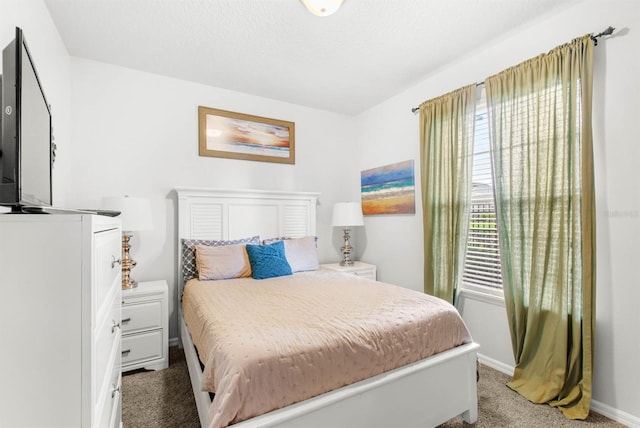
(268,261)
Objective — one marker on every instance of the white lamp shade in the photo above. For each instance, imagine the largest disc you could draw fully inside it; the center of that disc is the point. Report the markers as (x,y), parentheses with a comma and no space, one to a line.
(347,214)
(135,212)
(322,7)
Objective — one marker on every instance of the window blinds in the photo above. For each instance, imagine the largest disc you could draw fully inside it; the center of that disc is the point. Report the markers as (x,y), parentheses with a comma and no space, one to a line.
(482,260)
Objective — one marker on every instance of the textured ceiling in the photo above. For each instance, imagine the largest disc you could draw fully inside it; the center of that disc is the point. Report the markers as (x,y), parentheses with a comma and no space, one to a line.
(366,52)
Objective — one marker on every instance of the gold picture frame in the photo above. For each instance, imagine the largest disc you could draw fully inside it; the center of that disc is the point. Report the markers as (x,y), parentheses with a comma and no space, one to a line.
(228,134)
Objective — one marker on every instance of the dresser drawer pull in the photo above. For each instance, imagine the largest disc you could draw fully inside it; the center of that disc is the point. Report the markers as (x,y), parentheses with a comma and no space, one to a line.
(126,320)
(114,326)
(126,352)
(115,261)
(115,391)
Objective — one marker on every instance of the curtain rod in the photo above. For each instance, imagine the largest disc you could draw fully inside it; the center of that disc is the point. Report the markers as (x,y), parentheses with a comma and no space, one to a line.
(607,32)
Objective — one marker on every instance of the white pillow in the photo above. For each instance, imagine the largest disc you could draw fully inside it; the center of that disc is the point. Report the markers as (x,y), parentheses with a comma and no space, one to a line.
(302,253)
(229,261)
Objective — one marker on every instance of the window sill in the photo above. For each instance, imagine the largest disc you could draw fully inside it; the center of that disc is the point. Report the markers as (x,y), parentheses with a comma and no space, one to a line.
(483,294)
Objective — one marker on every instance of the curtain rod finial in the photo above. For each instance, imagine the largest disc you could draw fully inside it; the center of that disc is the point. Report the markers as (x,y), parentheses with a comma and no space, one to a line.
(607,32)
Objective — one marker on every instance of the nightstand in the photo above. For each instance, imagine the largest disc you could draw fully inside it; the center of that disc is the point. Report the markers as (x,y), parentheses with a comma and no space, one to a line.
(364,270)
(145,326)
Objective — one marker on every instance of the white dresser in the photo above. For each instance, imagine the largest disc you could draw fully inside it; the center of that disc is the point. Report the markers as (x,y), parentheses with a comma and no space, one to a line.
(145,326)
(60,278)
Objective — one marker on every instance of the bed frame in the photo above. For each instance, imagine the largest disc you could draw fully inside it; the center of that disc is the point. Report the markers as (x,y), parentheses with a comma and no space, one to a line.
(426,393)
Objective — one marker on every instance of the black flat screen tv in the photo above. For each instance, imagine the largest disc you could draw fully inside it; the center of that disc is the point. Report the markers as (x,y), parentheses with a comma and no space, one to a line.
(26,144)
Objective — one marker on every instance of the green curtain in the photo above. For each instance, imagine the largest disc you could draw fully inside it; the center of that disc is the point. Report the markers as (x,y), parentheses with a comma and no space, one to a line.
(540,130)
(446,148)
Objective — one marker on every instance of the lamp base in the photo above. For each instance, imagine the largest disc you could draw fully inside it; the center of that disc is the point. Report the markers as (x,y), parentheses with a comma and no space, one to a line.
(131,283)
(346,250)
(127,264)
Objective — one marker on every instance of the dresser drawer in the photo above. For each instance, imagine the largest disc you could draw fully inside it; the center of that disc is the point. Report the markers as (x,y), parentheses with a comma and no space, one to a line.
(141,316)
(116,411)
(109,412)
(107,339)
(107,267)
(137,348)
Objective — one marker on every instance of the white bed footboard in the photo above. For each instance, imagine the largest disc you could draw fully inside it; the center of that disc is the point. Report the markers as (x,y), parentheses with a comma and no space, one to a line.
(423,394)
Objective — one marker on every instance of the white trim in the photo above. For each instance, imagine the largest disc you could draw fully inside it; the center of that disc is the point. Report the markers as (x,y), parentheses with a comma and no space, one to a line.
(482,294)
(495,364)
(175,341)
(598,407)
(615,414)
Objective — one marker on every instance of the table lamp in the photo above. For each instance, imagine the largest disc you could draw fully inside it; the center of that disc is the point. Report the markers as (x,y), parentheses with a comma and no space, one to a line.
(346,215)
(136,217)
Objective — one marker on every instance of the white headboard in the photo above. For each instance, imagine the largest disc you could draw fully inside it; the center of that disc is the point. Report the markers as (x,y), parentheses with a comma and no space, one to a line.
(224,214)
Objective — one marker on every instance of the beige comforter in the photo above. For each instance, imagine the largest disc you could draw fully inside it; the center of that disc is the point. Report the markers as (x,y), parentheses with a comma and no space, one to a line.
(269,343)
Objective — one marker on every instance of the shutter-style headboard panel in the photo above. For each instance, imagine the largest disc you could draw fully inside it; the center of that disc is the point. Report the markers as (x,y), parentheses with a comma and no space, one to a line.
(223,214)
(206,220)
(234,214)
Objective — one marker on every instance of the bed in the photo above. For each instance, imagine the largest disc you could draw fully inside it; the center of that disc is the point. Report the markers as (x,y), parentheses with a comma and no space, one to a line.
(420,393)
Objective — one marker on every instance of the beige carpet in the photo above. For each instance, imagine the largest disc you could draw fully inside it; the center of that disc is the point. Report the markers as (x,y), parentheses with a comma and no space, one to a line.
(157,399)
(164,399)
(500,406)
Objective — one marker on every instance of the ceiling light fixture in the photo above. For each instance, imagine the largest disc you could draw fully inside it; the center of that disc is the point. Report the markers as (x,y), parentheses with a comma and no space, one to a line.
(322,7)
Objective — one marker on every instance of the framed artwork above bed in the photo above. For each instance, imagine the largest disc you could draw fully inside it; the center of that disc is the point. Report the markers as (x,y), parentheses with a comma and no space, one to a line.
(228,134)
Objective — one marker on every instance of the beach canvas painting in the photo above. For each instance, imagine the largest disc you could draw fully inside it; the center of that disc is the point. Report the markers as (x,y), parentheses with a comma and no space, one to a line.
(241,136)
(388,189)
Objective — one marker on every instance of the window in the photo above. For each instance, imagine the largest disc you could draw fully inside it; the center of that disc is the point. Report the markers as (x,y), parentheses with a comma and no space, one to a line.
(482,260)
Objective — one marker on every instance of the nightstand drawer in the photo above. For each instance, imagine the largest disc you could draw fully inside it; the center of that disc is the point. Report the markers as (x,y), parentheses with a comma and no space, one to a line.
(141,316)
(366,272)
(142,347)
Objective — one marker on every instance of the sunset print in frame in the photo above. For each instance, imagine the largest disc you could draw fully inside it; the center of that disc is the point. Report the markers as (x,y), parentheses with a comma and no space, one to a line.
(388,189)
(233,135)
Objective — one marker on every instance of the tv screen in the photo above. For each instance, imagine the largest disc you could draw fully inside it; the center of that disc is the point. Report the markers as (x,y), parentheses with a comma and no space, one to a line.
(25,156)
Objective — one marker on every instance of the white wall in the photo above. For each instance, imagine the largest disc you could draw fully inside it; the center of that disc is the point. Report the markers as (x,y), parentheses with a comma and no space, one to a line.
(52,64)
(137,133)
(392,131)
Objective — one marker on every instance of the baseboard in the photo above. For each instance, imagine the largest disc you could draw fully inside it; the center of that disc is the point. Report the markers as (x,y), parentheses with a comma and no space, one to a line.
(495,364)
(174,341)
(598,407)
(615,414)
